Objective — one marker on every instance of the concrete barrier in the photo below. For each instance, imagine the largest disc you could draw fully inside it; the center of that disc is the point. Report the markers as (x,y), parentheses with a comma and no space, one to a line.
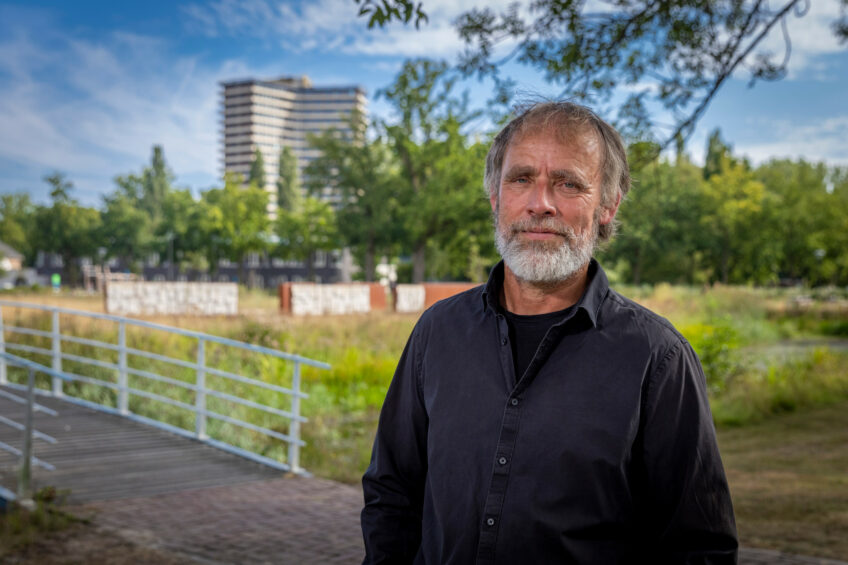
(316,299)
(128,298)
(303,299)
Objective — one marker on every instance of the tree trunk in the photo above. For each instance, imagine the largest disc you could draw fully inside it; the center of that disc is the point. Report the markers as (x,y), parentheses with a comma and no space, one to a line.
(241,272)
(419,262)
(370,266)
(310,267)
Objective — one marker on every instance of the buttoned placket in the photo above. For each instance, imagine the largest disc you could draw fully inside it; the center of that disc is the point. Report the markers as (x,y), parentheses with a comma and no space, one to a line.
(509,431)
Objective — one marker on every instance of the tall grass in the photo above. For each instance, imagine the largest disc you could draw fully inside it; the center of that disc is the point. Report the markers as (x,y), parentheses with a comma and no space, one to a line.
(344,402)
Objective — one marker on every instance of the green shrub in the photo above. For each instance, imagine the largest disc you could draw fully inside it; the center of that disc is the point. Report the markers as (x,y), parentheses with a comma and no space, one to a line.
(818,378)
(716,344)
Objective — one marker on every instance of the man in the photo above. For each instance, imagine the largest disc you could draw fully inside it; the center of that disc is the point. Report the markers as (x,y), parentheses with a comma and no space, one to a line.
(543,418)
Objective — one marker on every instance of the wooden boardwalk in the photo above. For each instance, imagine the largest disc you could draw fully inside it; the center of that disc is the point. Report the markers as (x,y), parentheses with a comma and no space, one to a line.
(104,457)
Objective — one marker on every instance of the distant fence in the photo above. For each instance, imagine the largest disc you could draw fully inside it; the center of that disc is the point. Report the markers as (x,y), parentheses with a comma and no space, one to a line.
(302,299)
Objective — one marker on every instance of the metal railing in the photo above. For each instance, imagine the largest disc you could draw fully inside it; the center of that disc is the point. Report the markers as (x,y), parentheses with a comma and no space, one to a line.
(128,386)
(25,455)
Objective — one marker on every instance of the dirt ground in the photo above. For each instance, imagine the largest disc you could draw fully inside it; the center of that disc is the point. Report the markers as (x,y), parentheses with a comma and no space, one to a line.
(82,544)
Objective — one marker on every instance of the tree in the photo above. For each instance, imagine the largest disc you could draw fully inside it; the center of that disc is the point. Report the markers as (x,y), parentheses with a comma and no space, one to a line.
(660,239)
(256,177)
(288,181)
(16,219)
(234,222)
(306,230)
(673,53)
(126,230)
(156,182)
(441,200)
(735,206)
(365,174)
(66,228)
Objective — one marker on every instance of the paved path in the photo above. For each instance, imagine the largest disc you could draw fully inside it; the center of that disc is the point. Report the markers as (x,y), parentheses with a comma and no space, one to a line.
(287,520)
(172,493)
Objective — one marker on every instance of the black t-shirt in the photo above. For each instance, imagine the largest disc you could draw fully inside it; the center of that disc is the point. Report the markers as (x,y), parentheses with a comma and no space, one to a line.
(526,333)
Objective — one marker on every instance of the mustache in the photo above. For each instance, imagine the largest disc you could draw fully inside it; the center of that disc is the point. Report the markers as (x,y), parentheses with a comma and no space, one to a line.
(542,224)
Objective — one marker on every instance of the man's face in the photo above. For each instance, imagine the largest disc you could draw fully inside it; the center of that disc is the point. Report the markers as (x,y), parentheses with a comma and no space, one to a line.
(548,206)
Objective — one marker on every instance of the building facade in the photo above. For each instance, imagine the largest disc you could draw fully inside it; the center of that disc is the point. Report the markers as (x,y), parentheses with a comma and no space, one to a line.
(271,114)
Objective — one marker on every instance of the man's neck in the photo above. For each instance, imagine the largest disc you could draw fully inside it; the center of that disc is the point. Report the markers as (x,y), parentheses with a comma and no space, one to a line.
(526,298)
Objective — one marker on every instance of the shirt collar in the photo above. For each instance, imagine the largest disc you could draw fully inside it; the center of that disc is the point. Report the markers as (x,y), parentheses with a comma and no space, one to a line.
(591,301)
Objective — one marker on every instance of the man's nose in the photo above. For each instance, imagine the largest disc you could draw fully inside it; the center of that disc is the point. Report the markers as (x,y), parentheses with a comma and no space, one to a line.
(539,201)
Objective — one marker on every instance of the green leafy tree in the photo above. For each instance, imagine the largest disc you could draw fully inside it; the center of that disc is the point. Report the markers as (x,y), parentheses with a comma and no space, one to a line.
(66,228)
(441,191)
(126,230)
(16,220)
(175,236)
(156,181)
(234,221)
(734,209)
(365,174)
(660,238)
(306,230)
(806,217)
(288,180)
(256,177)
(673,53)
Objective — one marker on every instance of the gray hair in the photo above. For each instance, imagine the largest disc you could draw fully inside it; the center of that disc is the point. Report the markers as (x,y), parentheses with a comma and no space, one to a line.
(566,117)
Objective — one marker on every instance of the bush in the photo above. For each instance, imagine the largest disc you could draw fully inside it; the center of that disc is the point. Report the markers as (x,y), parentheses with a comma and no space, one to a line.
(716,344)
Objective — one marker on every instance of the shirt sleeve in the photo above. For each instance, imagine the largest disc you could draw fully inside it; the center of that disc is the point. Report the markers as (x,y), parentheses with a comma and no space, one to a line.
(690,515)
(393,485)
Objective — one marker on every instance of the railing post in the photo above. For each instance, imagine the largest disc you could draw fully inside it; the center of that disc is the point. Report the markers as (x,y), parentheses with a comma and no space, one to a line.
(57,355)
(294,427)
(24,485)
(3,377)
(123,393)
(200,393)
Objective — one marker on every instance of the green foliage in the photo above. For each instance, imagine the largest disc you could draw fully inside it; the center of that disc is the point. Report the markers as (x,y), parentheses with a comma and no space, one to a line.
(16,213)
(365,175)
(234,221)
(256,177)
(682,51)
(817,378)
(306,230)
(381,12)
(65,228)
(716,344)
(288,182)
(21,527)
(441,168)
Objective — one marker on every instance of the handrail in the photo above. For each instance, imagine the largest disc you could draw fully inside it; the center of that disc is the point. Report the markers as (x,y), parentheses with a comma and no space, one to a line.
(25,453)
(127,365)
(170,329)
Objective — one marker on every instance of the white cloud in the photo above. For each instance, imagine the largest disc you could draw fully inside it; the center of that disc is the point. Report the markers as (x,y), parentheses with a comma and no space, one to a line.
(94,109)
(332,25)
(813,140)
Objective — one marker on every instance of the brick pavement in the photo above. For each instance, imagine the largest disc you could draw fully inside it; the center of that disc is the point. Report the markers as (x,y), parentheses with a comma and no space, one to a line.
(292,519)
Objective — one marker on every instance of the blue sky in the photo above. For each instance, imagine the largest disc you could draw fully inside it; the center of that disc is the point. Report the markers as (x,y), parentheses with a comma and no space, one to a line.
(87,88)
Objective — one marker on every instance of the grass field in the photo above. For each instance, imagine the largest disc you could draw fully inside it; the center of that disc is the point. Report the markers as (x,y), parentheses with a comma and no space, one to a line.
(776,371)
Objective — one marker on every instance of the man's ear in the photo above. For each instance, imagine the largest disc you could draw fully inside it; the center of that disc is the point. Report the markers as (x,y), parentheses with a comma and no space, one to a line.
(608,213)
(493,199)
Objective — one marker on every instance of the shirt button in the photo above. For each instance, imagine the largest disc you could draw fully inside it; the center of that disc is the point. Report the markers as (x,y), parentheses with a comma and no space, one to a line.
(513,401)
(502,460)
(490,521)
(503,341)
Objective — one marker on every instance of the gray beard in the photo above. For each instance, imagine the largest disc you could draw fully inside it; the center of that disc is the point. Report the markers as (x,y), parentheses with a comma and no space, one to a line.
(544,262)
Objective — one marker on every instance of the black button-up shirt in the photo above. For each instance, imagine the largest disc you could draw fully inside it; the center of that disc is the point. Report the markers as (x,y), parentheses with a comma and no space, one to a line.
(603,452)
